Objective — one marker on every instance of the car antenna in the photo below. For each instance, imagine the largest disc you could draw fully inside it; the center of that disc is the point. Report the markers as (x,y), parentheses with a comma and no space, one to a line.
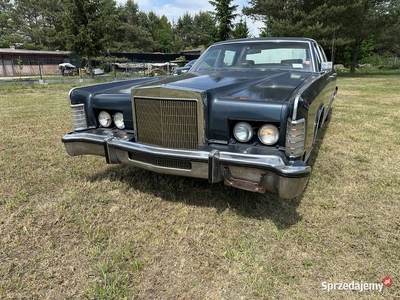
(333,47)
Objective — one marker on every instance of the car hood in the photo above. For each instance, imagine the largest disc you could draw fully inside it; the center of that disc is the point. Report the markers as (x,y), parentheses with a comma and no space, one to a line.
(258,85)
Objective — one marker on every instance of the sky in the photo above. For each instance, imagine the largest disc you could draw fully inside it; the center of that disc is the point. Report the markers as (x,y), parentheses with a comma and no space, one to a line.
(173,9)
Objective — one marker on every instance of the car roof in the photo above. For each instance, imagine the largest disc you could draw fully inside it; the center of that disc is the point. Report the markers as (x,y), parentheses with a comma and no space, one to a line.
(250,40)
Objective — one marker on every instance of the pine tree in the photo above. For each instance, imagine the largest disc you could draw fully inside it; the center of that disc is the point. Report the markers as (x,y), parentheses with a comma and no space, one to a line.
(241,30)
(89,26)
(225,15)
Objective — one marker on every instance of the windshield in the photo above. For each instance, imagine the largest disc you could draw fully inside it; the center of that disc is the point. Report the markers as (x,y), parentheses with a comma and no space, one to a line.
(262,54)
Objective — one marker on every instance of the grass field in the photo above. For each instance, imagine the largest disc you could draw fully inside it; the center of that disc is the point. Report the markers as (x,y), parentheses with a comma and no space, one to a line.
(77,228)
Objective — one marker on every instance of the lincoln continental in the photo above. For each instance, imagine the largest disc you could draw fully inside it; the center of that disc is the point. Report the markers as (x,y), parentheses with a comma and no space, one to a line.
(247,113)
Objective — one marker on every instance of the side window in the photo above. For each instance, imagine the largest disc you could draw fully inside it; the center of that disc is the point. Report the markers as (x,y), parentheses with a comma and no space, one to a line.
(209,61)
(229,57)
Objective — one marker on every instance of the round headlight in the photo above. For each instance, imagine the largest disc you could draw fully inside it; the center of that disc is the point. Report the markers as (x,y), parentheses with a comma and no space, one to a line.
(243,132)
(268,134)
(119,120)
(104,119)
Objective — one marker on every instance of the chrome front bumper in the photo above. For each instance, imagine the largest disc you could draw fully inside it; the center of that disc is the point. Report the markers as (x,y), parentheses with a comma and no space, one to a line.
(252,172)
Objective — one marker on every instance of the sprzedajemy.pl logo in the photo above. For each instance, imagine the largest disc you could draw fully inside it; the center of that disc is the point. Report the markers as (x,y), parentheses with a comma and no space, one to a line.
(357,285)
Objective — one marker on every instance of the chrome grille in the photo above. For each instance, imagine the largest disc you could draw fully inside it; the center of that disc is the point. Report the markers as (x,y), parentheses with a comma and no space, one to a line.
(167,122)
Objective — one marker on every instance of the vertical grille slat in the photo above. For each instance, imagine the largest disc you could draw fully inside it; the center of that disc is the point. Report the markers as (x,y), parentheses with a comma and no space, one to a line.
(167,122)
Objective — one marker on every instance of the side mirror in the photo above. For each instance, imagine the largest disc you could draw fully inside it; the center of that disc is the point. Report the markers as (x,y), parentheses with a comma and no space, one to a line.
(326,65)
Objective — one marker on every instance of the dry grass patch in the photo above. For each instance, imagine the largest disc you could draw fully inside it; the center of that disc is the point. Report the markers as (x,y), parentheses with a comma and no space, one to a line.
(76,228)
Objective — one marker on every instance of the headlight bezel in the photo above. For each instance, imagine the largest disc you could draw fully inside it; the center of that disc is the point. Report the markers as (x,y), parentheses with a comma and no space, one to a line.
(270,128)
(258,127)
(118,119)
(111,119)
(104,118)
(249,134)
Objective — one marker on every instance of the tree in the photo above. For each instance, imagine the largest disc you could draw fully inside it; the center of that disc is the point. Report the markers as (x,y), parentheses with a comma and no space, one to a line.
(52,13)
(316,19)
(27,17)
(364,20)
(131,11)
(89,26)
(388,41)
(5,28)
(164,36)
(185,29)
(241,30)
(177,43)
(131,36)
(152,24)
(225,14)
(38,23)
(204,29)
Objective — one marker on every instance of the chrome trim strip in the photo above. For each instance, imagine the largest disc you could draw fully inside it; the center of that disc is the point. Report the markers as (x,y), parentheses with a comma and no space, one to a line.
(295,106)
(222,142)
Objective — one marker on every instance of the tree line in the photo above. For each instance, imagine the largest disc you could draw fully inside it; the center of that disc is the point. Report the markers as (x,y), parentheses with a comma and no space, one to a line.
(62,24)
(93,28)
